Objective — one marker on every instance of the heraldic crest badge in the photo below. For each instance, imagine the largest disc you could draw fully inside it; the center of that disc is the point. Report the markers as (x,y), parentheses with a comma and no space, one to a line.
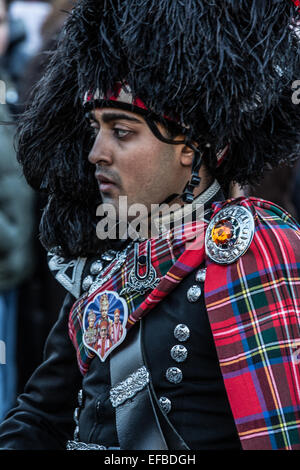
(104,323)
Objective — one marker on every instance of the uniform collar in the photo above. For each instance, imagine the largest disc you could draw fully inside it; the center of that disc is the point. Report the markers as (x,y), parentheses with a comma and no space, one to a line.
(201,205)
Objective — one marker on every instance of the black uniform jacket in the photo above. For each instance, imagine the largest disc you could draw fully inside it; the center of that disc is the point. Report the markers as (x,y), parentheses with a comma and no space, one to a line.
(199,411)
(195,402)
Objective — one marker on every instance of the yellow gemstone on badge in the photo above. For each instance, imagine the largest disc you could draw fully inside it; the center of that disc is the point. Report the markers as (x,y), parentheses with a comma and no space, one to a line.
(222,232)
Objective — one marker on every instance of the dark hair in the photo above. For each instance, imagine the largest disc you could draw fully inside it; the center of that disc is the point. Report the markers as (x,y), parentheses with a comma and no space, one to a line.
(225,71)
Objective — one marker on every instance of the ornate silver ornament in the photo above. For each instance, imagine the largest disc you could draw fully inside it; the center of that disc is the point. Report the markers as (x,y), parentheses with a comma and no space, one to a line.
(174,375)
(75,445)
(165,404)
(96,267)
(179,353)
(129,387)
(87,282)
(229,234)
(67,272)
(194,293)
(200,275)
(181,332)
(137,282)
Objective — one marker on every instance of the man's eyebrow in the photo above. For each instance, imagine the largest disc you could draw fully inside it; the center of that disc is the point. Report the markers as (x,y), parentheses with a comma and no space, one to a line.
(108,117)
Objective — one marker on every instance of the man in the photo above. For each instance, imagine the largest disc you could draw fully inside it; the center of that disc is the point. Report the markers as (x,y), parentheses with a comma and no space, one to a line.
(157,99)
(104,342)
(116,329)
(104,308)
(90,334)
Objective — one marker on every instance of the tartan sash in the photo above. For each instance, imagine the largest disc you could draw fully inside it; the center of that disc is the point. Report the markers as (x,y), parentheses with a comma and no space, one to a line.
(254,312)
(173,257)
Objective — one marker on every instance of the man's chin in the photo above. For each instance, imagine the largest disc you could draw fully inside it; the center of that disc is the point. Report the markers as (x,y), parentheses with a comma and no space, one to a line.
(109,198)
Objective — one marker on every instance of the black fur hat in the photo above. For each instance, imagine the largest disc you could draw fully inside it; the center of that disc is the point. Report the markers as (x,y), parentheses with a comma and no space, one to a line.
(225,69)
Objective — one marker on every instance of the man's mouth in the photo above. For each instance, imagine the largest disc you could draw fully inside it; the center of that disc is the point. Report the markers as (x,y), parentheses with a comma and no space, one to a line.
(105,183)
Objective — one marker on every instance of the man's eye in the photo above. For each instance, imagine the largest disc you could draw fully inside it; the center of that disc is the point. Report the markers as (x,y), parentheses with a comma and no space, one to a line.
(121,133)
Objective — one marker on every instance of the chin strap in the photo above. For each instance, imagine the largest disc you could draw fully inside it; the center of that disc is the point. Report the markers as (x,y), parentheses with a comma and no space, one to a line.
(188,191)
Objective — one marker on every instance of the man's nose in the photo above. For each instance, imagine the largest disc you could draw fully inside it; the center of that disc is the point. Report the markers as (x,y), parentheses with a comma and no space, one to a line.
(101,151)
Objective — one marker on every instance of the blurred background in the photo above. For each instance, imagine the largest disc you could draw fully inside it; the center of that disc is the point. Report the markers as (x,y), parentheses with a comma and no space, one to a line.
(30,298)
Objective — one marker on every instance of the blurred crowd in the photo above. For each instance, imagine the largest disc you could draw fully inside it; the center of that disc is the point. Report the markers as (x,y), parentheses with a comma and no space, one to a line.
(29,297)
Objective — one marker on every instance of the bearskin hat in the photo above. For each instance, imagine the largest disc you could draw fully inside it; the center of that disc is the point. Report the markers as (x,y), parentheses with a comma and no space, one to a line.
(225,69)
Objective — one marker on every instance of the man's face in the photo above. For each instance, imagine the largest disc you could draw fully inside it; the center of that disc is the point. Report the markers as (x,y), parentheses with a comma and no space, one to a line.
(117,317)
(91,319)
(103,332)
(130,161)
(3,28)
(104,310)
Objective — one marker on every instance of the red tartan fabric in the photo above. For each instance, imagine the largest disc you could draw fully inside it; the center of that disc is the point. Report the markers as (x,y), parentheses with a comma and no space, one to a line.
(254,311)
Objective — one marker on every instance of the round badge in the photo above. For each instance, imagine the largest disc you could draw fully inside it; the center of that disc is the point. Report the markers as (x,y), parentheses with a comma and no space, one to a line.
(229,234)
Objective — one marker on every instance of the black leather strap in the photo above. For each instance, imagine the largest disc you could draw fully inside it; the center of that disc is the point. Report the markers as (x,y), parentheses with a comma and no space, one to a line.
(140,422)
(137,424)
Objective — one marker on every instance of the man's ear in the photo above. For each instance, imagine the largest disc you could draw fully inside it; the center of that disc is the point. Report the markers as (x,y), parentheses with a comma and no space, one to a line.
(187,155)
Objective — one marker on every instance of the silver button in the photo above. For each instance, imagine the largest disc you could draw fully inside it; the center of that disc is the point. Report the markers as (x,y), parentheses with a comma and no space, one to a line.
(96,267)
(181,332)
(80,398)
(194,293)
(87,282)
(179,353)
(174,375)
(165,404)
(108,255)
(201,274)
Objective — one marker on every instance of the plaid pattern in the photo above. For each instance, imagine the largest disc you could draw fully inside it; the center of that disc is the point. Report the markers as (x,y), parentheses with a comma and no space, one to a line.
(172,262)
(254,312)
